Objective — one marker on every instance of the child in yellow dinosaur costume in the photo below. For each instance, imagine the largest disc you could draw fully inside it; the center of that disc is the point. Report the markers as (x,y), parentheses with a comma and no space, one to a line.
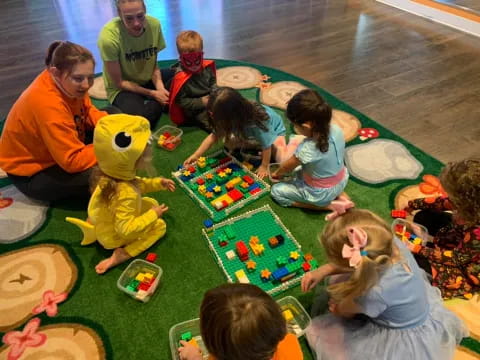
(119,217)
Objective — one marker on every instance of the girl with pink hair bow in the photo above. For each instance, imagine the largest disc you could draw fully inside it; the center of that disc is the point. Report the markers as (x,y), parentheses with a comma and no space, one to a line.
(381,305)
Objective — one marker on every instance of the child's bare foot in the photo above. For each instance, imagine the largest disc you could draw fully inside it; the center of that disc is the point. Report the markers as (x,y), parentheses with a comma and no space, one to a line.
(339,207)
(119,256)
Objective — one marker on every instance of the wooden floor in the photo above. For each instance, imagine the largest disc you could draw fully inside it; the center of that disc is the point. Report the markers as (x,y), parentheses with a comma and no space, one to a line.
(417,78)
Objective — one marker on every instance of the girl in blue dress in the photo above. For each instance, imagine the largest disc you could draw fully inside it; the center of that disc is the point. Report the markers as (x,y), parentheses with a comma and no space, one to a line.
(382,306)
(323,176)
(242,123)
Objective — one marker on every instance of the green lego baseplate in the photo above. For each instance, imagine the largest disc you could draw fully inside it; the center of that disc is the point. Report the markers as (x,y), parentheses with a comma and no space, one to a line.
(264,224)
(214,163)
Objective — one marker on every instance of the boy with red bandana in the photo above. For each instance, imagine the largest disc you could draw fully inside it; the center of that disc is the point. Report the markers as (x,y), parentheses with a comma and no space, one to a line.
(193,81)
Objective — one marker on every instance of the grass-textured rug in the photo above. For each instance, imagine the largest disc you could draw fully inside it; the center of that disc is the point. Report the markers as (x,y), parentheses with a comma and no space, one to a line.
(100,321)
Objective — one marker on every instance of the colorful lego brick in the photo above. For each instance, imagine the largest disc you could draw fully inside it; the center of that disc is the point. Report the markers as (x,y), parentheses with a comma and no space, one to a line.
(273,242)
(399,214)
(222,198)
(186,336)
(253,187)
(288,315)
(308,257)
(313,263)
(209,195)
(230,254)
(217,189)
(294,267)
(306,266)
(143,286)
(247,165)
(265,274)
(200,181)
(230,233)
(169,146)
(417,241)
(222,240)
(248,179)
(241,250)
(228,171)
(186,173)
(294,255)
(279,273)
(235,195)
(244,185)
(281,261)
(400,229)
(140,277)
(241,277)
(231,183)
(255,191)
(208,223)
(194,343)
(225,160)
(151,257)
(251,265)
(141,295)
(209,177)
(202,189)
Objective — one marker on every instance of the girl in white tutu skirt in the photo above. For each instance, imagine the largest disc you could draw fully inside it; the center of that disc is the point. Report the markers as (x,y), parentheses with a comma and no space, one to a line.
(381,305)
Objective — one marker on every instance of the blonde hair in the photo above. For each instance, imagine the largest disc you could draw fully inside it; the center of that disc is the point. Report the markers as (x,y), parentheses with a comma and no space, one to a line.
(189,41)
(461,181)
(379,250)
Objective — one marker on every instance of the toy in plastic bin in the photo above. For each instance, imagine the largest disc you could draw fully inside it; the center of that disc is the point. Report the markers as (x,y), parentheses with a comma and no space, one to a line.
(274,167)
(140,279)
(168,137)
(415,235)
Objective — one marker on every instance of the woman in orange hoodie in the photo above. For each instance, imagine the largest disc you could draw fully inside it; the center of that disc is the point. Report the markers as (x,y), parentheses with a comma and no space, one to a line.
(43,147)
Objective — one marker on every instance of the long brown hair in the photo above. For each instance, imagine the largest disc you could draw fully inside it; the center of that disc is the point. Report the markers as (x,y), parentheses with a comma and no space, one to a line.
(379,250)
(232,114)
(241,321)
(308,107)
(461,181)
(64,55)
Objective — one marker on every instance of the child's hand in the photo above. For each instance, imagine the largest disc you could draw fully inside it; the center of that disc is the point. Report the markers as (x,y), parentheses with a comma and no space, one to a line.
(205,100)
(160,209)
(262,171)
(168,184)
(189,352)
(333,307)
(191,159)
(310,280)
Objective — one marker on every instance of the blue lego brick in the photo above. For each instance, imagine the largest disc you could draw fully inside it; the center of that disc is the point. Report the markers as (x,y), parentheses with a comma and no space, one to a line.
(253,187)
(280,273)
(208,223)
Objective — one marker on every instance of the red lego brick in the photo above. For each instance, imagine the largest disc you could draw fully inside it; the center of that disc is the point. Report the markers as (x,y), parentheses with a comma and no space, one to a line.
(402,214)
(143,286)
(306,266)
(223,243)
(242,250)
(248,179)
(151,257)
(407,234)
(225,160)
(166,134)
(191,169)
(399,228)
(200,181)
(235,194)
(169,146)
(254,191)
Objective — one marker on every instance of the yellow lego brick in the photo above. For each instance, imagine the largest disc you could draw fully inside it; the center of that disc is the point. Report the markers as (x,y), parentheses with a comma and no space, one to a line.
(417,241)
(228,171)
(186,173)
(294,255)
(217,189)
(140,277)
(222,174)
(148,276)
(287,314)
(202,159)
(244,185)
(447,253)
(194,342)
(224,197)
(247,165)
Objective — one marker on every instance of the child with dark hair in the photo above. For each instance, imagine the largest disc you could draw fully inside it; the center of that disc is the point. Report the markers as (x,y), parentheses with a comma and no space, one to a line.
(193,82)
(323,176)
(242,123)
(239,322)
(454,259)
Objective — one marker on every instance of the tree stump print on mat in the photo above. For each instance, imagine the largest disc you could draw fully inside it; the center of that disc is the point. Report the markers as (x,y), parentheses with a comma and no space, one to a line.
(238,77)
(98,90)
(347,122)
(381,160)
(26,274)
(22,217)
(64,342)
(280,93)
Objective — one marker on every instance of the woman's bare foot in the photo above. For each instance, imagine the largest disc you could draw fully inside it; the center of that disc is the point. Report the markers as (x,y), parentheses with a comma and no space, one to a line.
(119,256)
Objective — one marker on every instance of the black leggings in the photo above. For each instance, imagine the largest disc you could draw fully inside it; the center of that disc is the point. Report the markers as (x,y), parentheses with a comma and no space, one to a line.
(136,104)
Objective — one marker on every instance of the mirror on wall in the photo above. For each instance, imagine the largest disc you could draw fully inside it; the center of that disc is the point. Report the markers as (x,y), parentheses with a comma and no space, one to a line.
(469,5)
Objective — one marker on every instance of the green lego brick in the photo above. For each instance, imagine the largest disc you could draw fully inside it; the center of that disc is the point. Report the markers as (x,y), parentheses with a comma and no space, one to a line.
(186,336)
(261,223)
(281,261)
(229,232)
(313,263)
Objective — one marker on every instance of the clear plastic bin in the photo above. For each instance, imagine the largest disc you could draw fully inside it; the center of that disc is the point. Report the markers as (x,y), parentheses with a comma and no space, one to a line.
(172,141)
(272,168)
(300,320)
(129,274)
(176,332)
(296,326)
(411,227)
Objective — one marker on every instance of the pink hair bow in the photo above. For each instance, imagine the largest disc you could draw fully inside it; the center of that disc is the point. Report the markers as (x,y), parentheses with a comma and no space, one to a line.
(358,238)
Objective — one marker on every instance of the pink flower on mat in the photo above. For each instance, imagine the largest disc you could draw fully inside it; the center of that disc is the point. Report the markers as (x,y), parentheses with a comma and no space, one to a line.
(20,340)
(265,77)
(477,233)
(263,85)
(49,303)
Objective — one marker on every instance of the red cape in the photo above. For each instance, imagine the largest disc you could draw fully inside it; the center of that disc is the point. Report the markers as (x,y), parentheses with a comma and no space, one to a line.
(175,111)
